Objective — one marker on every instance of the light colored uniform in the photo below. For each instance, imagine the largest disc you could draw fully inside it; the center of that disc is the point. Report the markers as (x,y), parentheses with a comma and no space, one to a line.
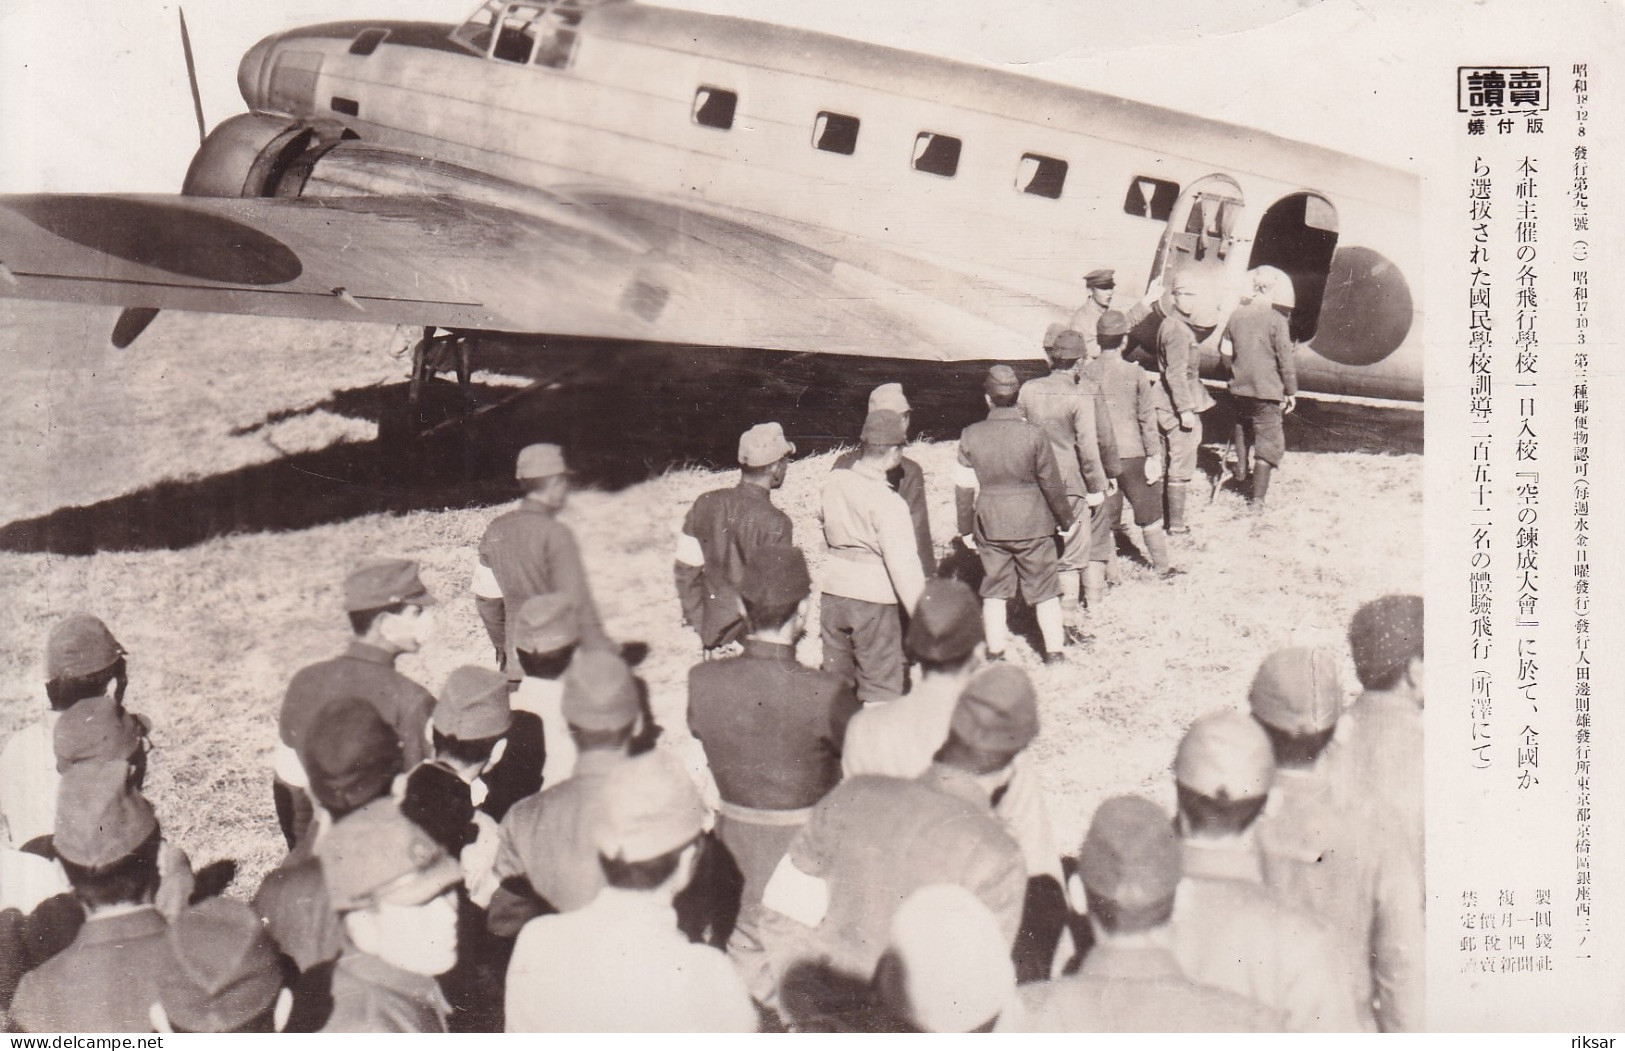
(28,781)
(1379,745)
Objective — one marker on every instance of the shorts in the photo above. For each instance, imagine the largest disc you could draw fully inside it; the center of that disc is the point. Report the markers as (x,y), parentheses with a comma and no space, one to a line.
(1145,499)
(1028,567)
(1262,422)
(1103,526)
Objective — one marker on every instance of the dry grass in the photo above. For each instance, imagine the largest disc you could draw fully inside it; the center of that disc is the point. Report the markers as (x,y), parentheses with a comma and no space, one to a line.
(215,628)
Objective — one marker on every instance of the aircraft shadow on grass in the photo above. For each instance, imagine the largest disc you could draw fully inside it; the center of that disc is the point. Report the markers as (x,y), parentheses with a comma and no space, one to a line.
(623,413)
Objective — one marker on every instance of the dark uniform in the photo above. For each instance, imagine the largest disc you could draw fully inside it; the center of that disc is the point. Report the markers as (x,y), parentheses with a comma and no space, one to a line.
(772,731)
(1071,414)
(530,552)
(371,996)
(728,524)
(1131,406)
(1020,501)
(104,982)
(1263,375)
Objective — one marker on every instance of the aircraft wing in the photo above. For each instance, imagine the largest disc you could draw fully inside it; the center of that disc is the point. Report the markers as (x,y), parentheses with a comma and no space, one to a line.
(593,263)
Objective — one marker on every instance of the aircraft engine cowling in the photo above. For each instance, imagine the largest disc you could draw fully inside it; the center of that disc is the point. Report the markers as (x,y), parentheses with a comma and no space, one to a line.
(255,155)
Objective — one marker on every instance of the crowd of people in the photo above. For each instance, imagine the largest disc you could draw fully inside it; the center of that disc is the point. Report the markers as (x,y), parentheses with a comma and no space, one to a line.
(867,844)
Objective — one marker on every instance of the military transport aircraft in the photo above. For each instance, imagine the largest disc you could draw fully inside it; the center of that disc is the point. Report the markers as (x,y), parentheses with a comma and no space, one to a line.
(616,169)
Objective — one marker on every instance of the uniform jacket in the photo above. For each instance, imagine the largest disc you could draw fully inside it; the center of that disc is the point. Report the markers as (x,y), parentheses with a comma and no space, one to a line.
(1232,933)
(1131,402)
(1020,491)
(867,529)
(1264,365)
(369,673)
(530,552)
(1179,359)
(549,838)
(907,480)
(728,524)
(104,982)
(371,996)
(1379,750)
(1086,322)
(1073,417)
(1134,991)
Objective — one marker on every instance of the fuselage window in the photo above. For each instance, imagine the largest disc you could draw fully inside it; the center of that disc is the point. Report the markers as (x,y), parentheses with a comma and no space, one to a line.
(516,37)
(1041,176)
(836,133)
(936,154)
(558,39)
(367,41)
(714,107)
(1151,198)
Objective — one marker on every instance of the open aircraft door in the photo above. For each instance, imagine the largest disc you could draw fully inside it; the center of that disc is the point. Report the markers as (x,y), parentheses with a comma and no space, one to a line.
(1203,239)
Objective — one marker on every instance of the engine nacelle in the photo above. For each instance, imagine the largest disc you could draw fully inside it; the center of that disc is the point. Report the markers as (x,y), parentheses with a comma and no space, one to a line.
(254,155)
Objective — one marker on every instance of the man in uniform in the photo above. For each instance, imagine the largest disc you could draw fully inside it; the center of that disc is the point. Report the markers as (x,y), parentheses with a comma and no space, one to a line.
(1327,849)
(619,964)
(1127,390)
(225,977)
(906,479)
(1102,286)
(873,840)
(874,565)
(1074,418)
(722,529)
(82,660)
(1230,931)
(1263,377)
(1181,398)
(1382,750)
(528,551)
(395,890)
(1128,870)
(1012,501)
(388,608)
(545,641)
(107,839)
(771,729)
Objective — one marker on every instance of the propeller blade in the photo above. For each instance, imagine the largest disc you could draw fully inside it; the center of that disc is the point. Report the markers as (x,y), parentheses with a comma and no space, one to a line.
(132,321)
(191,78)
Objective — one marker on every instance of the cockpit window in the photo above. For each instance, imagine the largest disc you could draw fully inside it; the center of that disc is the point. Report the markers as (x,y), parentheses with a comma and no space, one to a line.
(542,32)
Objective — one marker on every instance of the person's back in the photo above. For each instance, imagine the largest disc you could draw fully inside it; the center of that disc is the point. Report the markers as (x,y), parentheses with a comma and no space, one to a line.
(1263,366)
(1015,473)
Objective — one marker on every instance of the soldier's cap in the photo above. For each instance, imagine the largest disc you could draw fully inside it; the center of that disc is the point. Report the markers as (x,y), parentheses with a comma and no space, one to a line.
(378,856)
(225,971)
(1055,329)
(764,444)
(473,704)
(100,818)
(884,427)
(888,396)
(947,622)
(1297,691)
(598,691)
(649,807)
(1102,278)
(545,623)
(350,754)
(1068,346)
(1131,855)
(382,582)
(97,729)
(1385,634)
(956,967)
(1275,285)
(1113,323)
(541,460)
(80,645)
(775,575)
(1225,756)
(997,711)
(1001,380)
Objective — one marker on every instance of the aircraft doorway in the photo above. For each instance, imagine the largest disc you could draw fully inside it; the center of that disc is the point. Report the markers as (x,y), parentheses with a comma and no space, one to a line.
(1298,234)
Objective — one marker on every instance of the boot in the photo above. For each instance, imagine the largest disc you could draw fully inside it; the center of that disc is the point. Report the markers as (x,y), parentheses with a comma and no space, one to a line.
(1094,587)
(1177,492)
(1156,547)
(1240,439)
(1261,484)
(1071,613)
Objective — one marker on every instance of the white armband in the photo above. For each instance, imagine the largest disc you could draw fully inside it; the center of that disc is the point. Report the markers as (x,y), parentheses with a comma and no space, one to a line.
(689,552)
(795,894)
(485,583)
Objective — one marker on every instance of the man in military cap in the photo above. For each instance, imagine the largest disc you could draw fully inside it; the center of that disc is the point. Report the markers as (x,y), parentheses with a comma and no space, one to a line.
(874,565)
(907,479)
(1325,846)
(82,660)
(388,609)
(1102,285)
(619,964)
(1128,869)
(1073,416)
(547,860)
(351,757)
(1012,501)
(1127,390)
(1263,376)
(873,840)
(1181,398)
(722,529)
(1382,749)
(771,729)
(1230,931)
(107,840)
(545,642)
(225,977)
(395,890)
(528,551)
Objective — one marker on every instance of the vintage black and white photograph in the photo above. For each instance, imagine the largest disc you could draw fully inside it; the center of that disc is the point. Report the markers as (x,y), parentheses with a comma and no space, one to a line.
(732,516)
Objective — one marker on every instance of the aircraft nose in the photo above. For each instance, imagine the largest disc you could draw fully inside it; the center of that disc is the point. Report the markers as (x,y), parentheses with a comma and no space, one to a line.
(251,72)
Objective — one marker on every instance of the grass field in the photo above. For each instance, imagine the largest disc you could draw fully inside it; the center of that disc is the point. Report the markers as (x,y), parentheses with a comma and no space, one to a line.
(206,491)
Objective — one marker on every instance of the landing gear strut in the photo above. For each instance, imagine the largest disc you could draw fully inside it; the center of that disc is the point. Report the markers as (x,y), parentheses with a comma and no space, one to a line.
(434,354)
